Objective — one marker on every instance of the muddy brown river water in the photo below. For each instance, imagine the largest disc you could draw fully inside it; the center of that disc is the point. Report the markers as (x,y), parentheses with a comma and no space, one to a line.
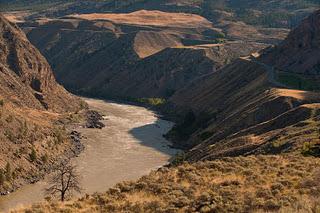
(130,146)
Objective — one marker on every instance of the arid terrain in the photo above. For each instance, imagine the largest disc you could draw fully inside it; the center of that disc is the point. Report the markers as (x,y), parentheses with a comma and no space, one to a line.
(260,116)
(32,103)
(239,79)
(151,18)
(240,184)
(119,47)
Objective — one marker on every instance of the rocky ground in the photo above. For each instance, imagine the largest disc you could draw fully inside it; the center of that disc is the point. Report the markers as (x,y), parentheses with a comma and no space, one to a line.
(93,120)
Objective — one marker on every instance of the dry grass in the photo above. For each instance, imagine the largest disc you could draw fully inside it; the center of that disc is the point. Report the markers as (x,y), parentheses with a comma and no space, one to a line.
(299,94)
(151,18)
(16,16)
(241,184)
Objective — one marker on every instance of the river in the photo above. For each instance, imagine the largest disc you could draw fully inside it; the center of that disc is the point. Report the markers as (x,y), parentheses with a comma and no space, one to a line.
(130,146)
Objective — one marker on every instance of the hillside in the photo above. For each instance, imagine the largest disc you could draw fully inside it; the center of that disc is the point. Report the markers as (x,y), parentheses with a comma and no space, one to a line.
(116,56)
(240,184)
(277,13)
(242,109)
(300,52)
(31,102)
(151,18)
(248,119)
(106,41)
(22,61)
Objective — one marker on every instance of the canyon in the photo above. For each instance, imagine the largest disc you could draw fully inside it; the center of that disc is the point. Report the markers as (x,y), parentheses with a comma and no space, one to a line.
(239,81)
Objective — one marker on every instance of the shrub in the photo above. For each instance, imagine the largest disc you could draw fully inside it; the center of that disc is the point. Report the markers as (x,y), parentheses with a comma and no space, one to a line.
(179,159)
(44,158)
(1,103)
(33,155)
(152,101)
(8,172)
(23,130)
(311,149)
(59,136)
(220,40)
(2,177)
(8,133)
(9,119)
(205,135)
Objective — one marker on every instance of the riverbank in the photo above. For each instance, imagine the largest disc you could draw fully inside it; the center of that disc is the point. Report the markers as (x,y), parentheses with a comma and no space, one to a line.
(56,134)
(129,146)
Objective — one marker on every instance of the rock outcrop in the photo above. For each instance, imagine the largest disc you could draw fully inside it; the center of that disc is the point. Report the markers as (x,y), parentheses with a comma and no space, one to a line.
(27,77)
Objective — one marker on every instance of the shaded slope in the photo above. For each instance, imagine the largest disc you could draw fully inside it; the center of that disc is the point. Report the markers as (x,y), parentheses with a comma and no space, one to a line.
(119,57)
(300,51)
(239,111)
(164,73)
(243,115)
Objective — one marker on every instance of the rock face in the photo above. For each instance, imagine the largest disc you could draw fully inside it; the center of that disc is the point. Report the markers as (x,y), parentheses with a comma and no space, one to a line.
(240,111)
(300,52)
(27,74)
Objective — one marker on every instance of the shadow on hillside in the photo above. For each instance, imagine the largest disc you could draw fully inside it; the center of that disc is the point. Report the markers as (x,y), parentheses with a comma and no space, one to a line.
(151,135)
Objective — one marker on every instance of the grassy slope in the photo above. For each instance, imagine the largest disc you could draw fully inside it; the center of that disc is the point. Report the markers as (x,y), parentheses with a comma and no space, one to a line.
(241,184)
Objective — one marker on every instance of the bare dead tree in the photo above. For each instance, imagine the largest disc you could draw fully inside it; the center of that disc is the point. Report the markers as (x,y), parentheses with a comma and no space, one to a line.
(64,181)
